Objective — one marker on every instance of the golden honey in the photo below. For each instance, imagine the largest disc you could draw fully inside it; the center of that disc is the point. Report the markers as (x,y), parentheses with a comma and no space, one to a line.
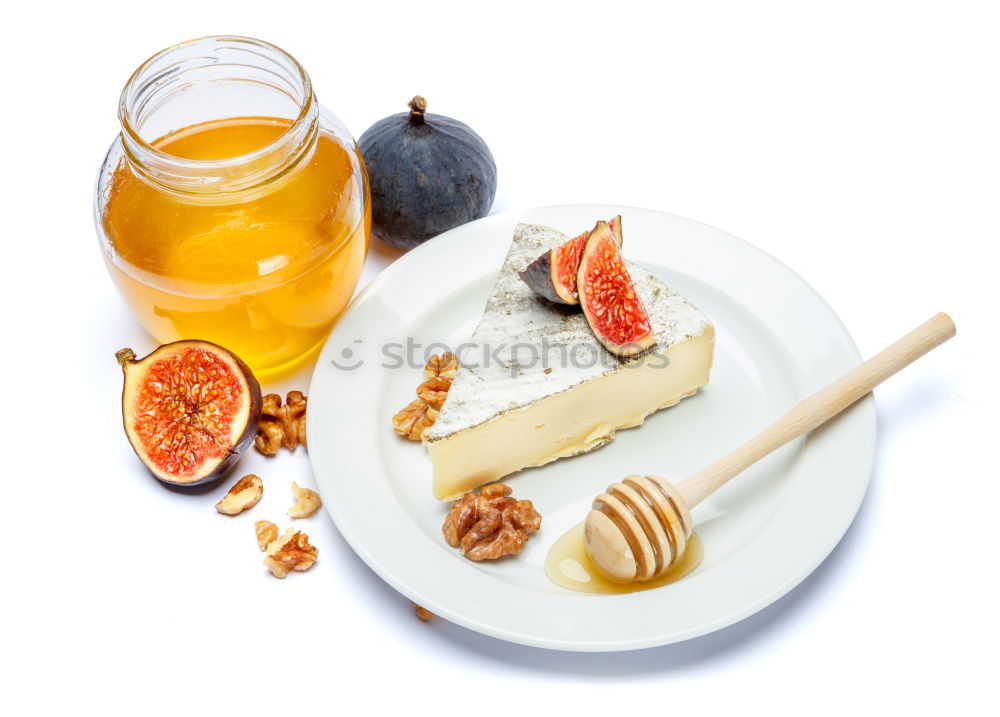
(264,277)
(247,230)
(568,565)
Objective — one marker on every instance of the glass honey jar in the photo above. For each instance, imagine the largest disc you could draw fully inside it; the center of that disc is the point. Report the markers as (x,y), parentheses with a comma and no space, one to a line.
(232,207)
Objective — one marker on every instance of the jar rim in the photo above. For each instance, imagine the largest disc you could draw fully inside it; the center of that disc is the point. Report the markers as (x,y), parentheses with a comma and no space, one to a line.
(135,139)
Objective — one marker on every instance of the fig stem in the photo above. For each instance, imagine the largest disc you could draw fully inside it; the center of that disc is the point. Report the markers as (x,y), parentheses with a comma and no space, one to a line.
(124,356)
(418,105)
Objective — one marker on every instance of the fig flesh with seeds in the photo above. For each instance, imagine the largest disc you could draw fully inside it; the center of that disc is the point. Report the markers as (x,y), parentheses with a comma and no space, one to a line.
(553,275)
(608,296)
(190,409)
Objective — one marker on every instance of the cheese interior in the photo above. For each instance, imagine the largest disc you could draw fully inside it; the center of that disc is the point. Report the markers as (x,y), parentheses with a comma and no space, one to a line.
(571,422)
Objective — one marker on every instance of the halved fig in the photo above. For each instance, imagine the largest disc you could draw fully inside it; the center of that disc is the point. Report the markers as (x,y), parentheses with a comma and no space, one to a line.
(553,274)
(190,409)
(609,299)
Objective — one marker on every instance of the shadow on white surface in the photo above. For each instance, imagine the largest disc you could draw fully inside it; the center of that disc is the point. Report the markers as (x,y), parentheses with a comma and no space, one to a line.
(380,255)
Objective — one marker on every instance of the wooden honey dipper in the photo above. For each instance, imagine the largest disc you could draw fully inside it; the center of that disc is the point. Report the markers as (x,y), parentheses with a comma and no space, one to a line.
(638,528)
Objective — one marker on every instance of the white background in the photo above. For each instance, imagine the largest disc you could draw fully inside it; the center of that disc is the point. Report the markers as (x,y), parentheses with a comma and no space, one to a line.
(858,142)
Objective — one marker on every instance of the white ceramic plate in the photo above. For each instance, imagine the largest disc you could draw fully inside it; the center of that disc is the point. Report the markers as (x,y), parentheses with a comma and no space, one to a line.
(777,341)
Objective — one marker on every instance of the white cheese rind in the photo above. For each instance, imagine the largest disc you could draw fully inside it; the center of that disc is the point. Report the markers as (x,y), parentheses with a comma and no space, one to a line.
(526,349)
(571,422)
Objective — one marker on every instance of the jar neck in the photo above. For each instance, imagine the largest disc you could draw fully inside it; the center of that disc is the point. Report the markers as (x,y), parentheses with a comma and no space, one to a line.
(212,79)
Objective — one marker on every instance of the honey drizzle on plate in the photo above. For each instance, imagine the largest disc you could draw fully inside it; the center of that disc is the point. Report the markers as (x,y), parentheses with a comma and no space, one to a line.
(568,565)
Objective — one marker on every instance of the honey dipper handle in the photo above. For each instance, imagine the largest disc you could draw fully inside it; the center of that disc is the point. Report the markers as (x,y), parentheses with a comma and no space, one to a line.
(820,407)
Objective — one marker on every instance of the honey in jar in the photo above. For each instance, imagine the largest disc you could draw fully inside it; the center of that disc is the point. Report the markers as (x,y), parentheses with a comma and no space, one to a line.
(232,208)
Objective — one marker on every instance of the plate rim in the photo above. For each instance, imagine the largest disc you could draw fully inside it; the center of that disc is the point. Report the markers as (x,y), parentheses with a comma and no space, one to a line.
(862,411)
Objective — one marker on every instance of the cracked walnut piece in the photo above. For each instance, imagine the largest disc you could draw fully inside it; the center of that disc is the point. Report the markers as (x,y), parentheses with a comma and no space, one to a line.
(434,391)
(291,551)
(419,415)
(267,533)
(242,496)
(307,502)
(438,374)
(281,425)
(490,525)
(413,420)
(444,366)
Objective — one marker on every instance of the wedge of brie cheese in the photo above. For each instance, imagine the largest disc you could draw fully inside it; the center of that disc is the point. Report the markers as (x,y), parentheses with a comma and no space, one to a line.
(535,385)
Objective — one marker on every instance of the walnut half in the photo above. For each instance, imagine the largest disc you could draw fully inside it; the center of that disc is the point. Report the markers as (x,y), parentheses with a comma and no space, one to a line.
(242,496)
(434,391)
(413,420)
(291,551)
(281,425)
(490,525)
(267,533)
(438,374)
(444,366)
(307,503)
